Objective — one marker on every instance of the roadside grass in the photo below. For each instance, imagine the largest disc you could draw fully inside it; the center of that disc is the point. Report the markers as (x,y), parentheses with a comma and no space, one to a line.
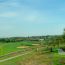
(58,59)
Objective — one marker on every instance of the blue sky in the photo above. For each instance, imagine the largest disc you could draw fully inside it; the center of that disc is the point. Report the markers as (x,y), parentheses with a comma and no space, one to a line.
(31,17)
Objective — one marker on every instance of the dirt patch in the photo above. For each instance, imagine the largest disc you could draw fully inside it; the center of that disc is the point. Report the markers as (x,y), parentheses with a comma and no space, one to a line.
(22,47)
(36,58)
(35,44)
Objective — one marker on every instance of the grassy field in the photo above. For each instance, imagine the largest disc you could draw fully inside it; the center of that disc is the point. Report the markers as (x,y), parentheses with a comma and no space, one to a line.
(58,59)
(33,58)
(6,48)
(40,55)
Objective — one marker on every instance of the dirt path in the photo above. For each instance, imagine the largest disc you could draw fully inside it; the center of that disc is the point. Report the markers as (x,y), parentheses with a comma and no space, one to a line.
(38,57)
(15,56)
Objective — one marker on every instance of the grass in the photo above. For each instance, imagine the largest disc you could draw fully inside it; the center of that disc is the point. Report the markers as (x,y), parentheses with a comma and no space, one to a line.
(58,59)
(40,57)
(33,58)
(16,61)
(6,48)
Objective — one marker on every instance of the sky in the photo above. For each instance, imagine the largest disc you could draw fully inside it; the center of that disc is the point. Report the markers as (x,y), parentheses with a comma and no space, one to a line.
(31,17)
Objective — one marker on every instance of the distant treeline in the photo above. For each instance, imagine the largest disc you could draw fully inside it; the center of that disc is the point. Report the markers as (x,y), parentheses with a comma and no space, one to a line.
(18,39)
(32,38)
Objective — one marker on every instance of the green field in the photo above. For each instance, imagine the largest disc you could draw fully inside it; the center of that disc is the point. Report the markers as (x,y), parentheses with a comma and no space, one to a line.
(40,55)
(6,48)
(33,58)
(35,55)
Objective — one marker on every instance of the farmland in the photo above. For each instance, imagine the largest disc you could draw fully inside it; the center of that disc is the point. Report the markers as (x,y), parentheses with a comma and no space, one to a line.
(6,48)
(36,52)
(31,58)
(9,50)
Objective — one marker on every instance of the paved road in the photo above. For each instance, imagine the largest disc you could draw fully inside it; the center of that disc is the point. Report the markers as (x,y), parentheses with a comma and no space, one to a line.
(15,56)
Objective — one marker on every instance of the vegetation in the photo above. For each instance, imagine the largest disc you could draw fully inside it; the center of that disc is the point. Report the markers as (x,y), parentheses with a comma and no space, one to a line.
(44,50)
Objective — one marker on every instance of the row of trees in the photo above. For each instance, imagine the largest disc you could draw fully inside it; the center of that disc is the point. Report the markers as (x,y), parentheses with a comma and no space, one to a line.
(49,39)
(17,39)
(58,40)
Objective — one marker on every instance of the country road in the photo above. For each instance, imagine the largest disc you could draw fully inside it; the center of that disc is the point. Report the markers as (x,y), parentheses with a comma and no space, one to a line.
(15,56)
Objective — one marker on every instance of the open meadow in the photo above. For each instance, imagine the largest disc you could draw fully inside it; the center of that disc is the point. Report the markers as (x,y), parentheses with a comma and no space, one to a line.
(29,53)
(23,53)
(6,48)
